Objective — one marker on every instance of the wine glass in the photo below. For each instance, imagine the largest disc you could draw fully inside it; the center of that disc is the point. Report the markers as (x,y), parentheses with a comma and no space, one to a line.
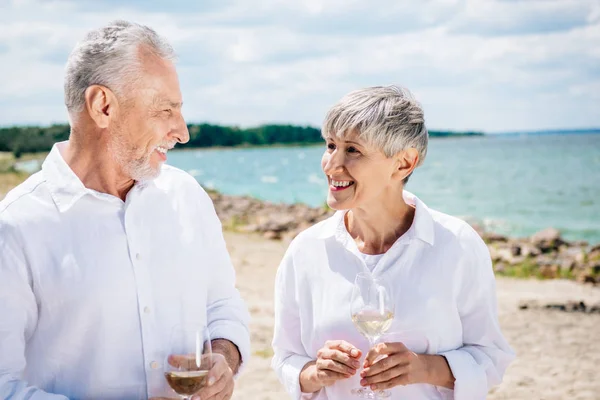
(372,310)
(188,360)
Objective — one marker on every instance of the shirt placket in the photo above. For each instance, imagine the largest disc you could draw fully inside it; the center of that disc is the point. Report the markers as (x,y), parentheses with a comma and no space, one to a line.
(346,241)
(402,253)
(141,264)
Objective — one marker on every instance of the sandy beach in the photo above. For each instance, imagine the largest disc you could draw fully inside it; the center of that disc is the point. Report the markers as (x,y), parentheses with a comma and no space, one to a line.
(558,353)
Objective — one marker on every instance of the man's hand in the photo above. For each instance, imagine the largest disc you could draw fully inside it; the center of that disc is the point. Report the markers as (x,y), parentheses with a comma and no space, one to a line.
(220,382)
(225,359)
(228,350)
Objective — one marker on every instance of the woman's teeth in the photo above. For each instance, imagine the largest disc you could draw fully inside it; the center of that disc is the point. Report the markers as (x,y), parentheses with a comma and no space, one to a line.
(341,183)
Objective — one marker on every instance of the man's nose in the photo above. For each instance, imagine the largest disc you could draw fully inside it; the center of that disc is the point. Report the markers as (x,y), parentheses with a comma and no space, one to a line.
(181,132)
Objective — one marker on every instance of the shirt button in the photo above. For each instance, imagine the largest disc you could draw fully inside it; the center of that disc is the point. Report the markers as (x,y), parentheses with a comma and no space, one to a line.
(154,365)
(138,256)
(147,310)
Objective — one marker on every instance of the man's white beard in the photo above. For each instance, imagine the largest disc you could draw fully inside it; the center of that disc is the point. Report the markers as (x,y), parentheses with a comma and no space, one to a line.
(139,169)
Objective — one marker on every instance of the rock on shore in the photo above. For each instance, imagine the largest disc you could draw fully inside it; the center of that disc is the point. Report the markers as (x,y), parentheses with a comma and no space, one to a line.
(545,254)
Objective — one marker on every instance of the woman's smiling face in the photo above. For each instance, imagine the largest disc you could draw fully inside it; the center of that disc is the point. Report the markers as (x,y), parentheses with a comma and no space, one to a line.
(358,173)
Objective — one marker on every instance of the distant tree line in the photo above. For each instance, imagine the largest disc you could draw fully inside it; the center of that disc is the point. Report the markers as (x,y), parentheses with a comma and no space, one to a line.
(31,139)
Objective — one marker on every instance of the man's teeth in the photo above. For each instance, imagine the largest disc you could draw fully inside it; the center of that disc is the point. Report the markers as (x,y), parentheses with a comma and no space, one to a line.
(162,149)
(340,183)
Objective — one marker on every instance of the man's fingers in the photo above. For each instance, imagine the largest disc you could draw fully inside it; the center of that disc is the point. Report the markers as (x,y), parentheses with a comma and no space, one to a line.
(219,381)
(212,392)
(190,362)
(226,394)
(344,346)
(218,369)
(336,355)
(187,361)
(382,349)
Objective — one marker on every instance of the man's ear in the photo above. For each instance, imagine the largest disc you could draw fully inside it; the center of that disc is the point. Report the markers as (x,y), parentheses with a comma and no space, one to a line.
(101,105)
(407,161)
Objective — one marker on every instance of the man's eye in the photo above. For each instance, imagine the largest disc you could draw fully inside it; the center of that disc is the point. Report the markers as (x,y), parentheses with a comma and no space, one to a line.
(352,149)
(331,146)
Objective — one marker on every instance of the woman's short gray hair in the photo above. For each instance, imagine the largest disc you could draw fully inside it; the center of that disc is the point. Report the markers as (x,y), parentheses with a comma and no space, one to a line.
(388,117)
(109,56)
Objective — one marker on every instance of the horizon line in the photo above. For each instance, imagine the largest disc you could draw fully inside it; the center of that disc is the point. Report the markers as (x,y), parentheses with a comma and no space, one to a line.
(488,133)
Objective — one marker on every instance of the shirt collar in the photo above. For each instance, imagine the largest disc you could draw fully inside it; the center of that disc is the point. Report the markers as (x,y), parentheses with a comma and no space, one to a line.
(65,186)
(422,227)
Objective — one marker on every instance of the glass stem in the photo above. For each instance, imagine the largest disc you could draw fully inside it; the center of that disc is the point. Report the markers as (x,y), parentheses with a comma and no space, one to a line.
(372,341)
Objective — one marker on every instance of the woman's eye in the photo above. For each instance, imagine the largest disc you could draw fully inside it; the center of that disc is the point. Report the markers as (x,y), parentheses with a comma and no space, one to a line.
(331,146)
(352,149)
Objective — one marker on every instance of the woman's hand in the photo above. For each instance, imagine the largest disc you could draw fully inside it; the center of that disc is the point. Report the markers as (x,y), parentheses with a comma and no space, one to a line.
(400,366)
(336,360)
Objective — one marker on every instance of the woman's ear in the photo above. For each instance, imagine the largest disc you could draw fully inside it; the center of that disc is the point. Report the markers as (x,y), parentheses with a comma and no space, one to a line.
(407,161)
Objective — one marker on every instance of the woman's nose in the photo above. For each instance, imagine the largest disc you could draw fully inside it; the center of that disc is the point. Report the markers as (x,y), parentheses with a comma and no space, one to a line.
(332,164)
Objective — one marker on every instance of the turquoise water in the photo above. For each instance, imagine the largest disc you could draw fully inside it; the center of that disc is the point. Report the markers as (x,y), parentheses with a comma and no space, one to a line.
(512,185)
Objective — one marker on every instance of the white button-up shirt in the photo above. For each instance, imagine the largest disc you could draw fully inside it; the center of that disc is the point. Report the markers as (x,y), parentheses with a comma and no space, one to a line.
(91,286)
(444,292)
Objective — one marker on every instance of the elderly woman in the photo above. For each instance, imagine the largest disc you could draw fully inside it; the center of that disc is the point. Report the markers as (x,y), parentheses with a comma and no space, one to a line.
(445,340)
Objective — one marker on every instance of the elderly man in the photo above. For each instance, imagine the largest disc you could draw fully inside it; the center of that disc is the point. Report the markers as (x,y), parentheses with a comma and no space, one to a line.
(105,250)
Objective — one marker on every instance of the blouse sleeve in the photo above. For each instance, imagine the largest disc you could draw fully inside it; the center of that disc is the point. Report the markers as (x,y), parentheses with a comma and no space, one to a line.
(482,360)
(289,353)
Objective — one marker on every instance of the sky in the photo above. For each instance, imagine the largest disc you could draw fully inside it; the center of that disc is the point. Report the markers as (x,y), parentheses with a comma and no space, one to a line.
(492,66)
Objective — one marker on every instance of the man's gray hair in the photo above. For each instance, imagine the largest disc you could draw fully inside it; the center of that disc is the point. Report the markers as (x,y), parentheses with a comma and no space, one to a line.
(110,56)
(388,117)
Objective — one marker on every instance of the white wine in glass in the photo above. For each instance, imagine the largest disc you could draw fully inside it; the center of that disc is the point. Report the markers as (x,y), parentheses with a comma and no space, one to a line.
(189,359)
(372,323)
(372,313)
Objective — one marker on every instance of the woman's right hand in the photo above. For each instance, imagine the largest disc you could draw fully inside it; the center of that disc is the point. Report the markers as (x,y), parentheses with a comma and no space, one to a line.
(336,360)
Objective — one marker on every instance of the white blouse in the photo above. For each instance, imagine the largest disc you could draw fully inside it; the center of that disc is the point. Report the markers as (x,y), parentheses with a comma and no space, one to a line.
(371,260)
(445,303)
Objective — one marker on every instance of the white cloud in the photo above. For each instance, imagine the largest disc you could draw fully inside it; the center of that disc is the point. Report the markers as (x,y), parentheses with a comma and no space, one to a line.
(481,64)
(492,18)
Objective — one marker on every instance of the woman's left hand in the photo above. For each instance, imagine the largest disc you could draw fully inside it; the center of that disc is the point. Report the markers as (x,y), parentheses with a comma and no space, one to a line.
(399,366)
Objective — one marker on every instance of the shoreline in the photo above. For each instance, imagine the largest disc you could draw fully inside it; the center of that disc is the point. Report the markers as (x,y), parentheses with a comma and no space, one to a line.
(40,155)
(545,254)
